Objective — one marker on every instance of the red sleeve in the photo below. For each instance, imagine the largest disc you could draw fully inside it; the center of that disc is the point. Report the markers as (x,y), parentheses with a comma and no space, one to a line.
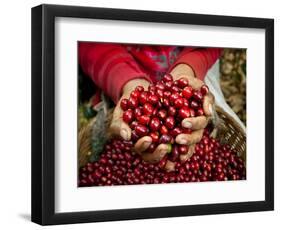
(200,60)
(110,66)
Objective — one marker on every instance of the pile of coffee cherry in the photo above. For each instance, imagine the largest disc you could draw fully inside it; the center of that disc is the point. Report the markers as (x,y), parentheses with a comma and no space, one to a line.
(118,165)
(159,111)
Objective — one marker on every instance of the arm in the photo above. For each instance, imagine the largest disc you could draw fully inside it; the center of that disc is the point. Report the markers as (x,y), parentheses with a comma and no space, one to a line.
(110,66)
(115,71)
(200,60)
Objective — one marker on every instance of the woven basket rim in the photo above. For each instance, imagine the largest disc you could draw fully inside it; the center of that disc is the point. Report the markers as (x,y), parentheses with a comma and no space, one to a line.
(237,125)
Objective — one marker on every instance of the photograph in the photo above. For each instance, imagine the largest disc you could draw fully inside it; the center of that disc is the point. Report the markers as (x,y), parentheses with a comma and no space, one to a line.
(159,114)
(140,114)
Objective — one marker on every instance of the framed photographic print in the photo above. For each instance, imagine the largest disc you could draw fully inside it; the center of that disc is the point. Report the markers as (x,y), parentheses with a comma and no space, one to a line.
(142,114)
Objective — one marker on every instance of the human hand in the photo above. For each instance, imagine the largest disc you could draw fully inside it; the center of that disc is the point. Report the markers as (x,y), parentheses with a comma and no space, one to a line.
(196,124)
(119,128)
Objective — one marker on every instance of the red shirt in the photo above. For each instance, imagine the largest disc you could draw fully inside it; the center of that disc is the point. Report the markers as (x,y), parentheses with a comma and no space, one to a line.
(111,66)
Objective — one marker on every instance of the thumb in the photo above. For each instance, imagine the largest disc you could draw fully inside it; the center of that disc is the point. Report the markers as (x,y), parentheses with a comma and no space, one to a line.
(208,104)
(118,127)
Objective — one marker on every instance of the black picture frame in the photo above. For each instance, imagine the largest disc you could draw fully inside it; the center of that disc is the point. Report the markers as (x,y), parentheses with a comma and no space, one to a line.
(43,114)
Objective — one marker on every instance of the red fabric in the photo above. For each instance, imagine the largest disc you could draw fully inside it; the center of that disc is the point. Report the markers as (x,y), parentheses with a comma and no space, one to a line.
(111,66)
(149,57)
(200,60)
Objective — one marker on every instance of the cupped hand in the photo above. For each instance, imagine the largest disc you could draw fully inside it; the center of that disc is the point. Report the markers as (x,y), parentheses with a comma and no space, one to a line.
(196,124)
(119,128)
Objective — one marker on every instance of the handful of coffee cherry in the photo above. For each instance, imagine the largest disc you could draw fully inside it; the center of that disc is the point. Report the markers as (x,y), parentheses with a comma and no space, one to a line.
(158,112)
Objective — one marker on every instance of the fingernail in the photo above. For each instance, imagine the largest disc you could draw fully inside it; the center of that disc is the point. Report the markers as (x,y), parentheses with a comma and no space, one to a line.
(182,141)
(211,109)
(162,153)
(186,124)
(124,134)
(145,144)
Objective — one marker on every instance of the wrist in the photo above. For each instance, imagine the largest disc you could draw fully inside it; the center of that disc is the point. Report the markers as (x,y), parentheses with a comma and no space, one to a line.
(181,70)
(132,84)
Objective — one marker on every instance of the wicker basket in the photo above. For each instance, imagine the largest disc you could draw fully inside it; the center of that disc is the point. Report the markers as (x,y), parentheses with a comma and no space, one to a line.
(228,131)
(84,143)
(84,140)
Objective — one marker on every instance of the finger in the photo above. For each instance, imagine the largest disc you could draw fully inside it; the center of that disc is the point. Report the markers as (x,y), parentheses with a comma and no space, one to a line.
(170,166)
(157,155)
(195,83)
(189,139)
(208,104)
(195,123)
(191,150)
(120,128)
(142,144)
